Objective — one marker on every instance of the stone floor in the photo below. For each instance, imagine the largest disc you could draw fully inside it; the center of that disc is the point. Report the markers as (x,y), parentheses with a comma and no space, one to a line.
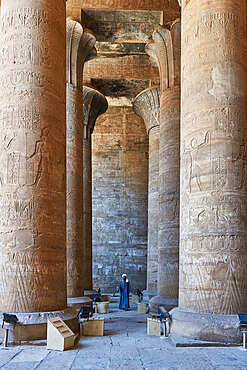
(124,346)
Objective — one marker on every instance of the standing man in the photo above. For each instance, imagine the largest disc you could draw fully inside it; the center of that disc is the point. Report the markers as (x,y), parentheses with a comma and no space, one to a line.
(124,293)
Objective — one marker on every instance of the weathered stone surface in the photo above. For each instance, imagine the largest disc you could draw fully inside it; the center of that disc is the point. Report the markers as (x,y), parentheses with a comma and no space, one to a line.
(147,106)
(94,104)
(157,301)
(167,47)
(120,194)
(125,345)
(130,67)
(116,87)
(150,50)
(32,165)
(207,327)
(213,237)
(115,25)
(169,7)
(34,325)
(121,48)
(79,49)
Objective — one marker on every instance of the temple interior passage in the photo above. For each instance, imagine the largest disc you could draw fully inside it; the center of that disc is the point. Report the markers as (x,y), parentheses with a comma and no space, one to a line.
(123,184)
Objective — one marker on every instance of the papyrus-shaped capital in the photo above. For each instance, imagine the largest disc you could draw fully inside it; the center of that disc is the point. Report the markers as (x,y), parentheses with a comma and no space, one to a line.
(94,104)
(167,40)
(151,52)
(147,106)
(80,47)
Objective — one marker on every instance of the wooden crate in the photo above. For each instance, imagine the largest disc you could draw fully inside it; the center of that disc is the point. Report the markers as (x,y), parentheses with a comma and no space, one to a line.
(142,307)
(59,336)
(92,327)
(153,327)
(102,307)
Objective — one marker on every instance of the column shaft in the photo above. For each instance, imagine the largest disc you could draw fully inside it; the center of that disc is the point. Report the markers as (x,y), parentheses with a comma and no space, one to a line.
(169,185)
(147,106)
(87,212)
(167,41)
(153,209)
(94,104)
(80,48)
(213,194)
(32,165)
(75,258)
(213,237)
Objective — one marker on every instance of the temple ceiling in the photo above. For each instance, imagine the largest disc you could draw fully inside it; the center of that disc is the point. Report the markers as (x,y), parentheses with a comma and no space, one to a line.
(122,28)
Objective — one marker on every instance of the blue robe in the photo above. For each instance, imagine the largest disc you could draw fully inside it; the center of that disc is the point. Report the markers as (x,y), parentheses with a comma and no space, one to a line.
(124,295)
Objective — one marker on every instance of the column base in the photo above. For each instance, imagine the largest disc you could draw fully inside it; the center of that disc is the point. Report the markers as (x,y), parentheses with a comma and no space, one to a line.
(206,327)
(157,301)
(148,294)
(33,326)
(77,302)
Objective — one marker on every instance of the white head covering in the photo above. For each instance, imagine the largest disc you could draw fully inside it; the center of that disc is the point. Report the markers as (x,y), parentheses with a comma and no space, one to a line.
(124,275)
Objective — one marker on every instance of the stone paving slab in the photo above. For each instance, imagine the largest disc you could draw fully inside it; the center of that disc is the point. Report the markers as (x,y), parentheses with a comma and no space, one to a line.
(125,346)
(7,354)
(58,360)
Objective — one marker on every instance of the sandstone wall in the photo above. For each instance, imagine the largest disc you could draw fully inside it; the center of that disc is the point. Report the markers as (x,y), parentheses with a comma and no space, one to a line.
(120,195)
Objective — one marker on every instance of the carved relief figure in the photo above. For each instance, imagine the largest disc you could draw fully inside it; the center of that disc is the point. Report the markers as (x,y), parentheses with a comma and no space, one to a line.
(240,167)
(5,143)
(195,158)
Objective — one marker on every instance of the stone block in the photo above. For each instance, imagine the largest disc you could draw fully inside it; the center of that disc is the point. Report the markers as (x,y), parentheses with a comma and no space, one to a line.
(33,326)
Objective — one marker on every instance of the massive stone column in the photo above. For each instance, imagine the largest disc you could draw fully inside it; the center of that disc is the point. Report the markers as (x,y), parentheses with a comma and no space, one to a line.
(79,48)
(32,165)
(213,242)
(94,104)
(167,49)
(147,106)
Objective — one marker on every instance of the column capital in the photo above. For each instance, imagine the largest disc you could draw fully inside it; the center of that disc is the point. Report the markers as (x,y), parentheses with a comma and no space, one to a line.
(80,47)
(147,106)
(94,104)
(151,52)
(167,40)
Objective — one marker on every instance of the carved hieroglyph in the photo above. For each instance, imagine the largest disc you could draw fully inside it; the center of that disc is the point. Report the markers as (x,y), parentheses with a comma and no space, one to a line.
(167,47)
(147,106)
(79,48)
(32,164)
(213,241)
(94,104)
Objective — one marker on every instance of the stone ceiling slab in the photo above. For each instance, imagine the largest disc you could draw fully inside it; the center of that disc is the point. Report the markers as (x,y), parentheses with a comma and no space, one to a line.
(130,67)
(116,88)
(115,25)
(164,5)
